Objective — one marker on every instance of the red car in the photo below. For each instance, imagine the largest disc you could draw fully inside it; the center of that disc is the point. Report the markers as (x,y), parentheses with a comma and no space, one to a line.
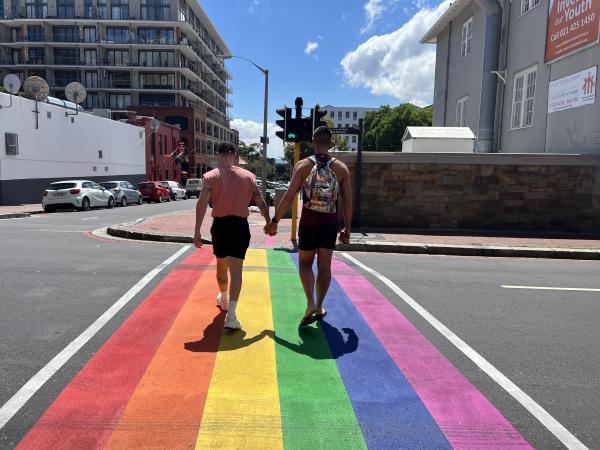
(153,191)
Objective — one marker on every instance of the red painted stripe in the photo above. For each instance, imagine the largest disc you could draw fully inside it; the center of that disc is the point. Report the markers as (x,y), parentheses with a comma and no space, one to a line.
(87,410)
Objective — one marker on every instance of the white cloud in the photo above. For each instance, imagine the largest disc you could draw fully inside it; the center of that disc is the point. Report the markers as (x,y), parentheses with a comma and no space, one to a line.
(397,64)
(251,132)
(374,9)
(311,47)
(254,5)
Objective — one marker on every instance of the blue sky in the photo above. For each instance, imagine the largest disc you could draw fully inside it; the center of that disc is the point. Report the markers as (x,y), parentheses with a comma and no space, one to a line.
(343,53)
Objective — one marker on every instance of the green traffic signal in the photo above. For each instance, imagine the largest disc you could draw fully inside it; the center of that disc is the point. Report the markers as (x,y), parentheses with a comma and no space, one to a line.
(291,136)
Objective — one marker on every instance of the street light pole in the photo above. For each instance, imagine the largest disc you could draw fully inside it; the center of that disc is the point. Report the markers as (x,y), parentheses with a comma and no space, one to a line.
(265,72)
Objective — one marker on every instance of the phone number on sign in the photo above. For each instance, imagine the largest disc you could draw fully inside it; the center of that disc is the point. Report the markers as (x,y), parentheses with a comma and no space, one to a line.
(590,18)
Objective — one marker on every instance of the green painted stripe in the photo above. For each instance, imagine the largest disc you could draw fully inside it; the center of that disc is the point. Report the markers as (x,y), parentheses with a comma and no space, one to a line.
(315,409)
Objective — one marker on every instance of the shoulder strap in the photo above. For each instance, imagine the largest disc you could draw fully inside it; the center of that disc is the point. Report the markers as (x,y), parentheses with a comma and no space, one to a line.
(312,159)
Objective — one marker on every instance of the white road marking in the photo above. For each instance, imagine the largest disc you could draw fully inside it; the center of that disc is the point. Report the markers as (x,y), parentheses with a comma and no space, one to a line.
(547,288)
(564,435)
(17,401)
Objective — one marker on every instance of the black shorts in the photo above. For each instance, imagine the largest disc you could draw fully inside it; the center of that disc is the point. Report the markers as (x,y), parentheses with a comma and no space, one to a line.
(312,237)
(230,236)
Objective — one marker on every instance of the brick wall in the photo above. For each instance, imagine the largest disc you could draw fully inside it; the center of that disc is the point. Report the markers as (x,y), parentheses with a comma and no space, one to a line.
(479,191)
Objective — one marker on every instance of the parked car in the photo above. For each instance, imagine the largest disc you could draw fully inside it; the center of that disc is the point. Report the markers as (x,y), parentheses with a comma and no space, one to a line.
(80,194)
(176,192)
(124,192)
(193,187)
(152,191)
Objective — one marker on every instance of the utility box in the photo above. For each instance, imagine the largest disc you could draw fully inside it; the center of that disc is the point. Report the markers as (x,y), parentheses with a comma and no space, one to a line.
(438,140)
(279,193)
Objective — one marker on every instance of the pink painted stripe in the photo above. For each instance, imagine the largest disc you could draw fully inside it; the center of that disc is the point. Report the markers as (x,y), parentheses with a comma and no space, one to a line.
(464,415)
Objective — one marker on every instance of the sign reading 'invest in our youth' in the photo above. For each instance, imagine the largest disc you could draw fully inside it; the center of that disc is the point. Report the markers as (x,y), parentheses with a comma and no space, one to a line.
(573,91)
(572,25)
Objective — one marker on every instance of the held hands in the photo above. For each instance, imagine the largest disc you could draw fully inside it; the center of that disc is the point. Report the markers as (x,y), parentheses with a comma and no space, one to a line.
(271,229)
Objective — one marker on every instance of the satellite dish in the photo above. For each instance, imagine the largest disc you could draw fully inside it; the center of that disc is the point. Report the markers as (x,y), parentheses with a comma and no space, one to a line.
(154,124)
(36,88)
(12,83)
(75,92)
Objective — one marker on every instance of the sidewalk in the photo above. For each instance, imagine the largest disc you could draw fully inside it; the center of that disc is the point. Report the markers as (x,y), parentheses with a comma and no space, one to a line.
(11,212)
(179,227)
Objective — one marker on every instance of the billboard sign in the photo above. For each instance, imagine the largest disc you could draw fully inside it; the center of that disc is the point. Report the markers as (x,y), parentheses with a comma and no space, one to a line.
(573,91)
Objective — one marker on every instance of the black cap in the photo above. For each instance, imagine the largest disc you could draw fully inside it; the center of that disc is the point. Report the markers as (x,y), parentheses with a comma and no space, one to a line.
(226,148)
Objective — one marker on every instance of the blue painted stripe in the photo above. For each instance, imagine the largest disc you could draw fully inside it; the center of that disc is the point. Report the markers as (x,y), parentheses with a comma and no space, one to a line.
(389,412)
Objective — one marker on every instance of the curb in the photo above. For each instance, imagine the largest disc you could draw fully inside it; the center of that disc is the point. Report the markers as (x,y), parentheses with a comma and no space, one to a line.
(19,215)
(407,248)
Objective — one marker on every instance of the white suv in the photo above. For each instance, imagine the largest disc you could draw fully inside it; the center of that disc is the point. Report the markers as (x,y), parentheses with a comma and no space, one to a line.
(175,190)
(193,187)
(80,194)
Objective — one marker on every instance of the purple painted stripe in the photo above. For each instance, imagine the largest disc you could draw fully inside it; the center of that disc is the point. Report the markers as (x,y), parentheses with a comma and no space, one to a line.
(464,415)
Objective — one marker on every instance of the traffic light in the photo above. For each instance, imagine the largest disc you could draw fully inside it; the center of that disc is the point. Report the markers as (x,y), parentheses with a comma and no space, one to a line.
(284,123)
(316,116)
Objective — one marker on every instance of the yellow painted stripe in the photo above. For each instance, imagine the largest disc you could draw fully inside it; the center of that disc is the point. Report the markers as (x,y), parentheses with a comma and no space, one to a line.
(242,406)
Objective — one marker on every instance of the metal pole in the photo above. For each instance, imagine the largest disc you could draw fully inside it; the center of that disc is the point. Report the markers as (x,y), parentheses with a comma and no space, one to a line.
(358,175)
(264,155)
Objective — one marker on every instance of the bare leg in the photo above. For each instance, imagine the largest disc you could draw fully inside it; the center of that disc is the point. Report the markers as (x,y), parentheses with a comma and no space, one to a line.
(236,266)
(323,276)
(222,267)
(307,276)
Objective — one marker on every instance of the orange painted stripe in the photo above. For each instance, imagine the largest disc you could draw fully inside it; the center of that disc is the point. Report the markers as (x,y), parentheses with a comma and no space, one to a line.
(85,413)
(166,408)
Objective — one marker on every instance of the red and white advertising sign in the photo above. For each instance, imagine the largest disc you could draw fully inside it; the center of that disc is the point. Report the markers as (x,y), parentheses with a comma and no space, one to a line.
(572,25)
(181,146)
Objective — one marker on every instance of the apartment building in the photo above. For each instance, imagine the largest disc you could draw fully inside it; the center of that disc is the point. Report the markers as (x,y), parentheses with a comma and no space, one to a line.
(129,54)
(521,74)
(347,117)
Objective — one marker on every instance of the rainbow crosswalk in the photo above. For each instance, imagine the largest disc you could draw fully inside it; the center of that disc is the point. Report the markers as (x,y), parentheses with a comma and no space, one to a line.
(365,377)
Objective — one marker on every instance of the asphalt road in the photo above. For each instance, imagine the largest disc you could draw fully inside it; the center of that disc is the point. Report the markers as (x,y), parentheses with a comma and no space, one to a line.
(56,279)
(544,341)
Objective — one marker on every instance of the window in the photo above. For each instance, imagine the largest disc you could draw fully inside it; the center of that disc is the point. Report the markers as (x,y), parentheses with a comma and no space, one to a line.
(157,59)
(102,9)
(155,10)
(65,9)
(120,101)
(87,9)
(119,9)
(461,112)
(527,5)
(467,34)
(91,79)
(64,77)
(354,139)
(89,34)
(117,34)
(156,36)
(339,114)
(1,9)
(66,34)
(355,115)
(347,114)
(117,57)
(37,9)
(523,98)
(11,141)
(66,56)
(91,101)
(119,80)
(99,154)
(332,114)
(36,55)
(157,100)
(35,33)
(90,57)
(157,81)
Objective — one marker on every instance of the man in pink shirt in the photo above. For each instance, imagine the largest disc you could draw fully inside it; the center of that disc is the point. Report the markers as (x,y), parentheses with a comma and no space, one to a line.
(230,189)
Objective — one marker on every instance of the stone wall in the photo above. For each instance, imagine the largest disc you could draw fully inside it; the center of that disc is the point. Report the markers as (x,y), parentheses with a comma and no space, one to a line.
(522,192)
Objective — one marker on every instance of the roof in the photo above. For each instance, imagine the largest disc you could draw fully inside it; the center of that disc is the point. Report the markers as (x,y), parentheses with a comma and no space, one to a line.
(438,133)
(440,25)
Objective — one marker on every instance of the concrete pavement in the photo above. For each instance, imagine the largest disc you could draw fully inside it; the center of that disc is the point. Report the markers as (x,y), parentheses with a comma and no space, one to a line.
(179,226)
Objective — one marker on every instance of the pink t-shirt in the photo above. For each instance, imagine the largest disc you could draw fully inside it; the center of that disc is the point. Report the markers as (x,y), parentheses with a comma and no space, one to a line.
(232,189)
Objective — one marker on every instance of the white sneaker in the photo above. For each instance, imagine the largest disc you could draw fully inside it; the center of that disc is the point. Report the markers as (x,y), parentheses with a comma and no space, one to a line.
(222,303)
(231,323)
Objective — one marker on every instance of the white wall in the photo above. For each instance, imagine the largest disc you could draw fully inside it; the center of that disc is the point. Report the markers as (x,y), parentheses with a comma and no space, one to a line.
(65,147)
(437,145)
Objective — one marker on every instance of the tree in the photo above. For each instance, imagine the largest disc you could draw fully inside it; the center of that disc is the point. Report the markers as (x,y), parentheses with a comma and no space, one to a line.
(306,150)
(339,142)
(385,127)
